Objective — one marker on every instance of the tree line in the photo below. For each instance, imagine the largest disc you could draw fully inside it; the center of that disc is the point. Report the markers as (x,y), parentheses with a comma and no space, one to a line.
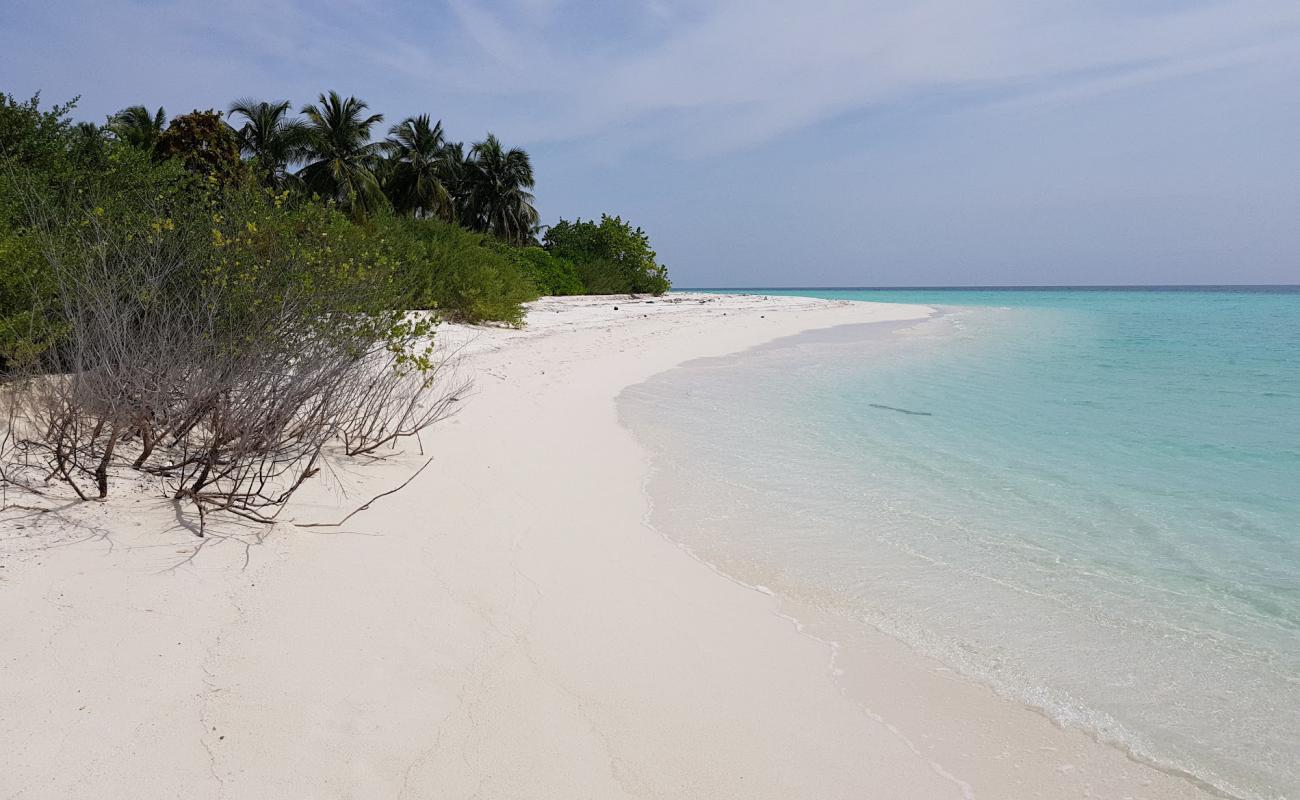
(489,255)
(328,150)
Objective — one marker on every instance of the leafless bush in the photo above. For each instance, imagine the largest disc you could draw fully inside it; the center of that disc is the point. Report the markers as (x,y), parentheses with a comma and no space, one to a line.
(225,377)
(396,402)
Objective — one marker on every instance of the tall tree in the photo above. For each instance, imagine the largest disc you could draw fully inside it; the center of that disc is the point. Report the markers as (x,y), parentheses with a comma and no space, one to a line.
(416,149)
(137,127)
(458,177)
(341,156)
(273,139)
(499,201)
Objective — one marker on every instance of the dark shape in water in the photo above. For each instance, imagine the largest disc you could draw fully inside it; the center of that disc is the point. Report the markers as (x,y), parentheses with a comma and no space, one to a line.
(902,410)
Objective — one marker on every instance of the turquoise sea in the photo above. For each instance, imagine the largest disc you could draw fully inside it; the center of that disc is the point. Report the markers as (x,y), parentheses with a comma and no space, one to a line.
(1088,499)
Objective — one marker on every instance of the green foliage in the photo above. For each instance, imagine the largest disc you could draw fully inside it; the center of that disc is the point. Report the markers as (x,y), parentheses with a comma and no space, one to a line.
(272,140)
(497,200)
(465,275)
(463,241)
(553,276)
(56,211)
(242,247)
(611,257)
(341,156)
(31,137)
(89,146)
(24,330)
(415,179)
(46,162)
(265,254)
(254,271)
(205,144)
(137,127)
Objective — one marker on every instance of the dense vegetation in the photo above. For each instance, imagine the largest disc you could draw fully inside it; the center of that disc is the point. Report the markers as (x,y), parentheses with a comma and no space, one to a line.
(458,220)
(211,304)
(610,257)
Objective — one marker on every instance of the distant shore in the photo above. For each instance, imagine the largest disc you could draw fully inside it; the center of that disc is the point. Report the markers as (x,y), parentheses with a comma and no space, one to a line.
(505,626)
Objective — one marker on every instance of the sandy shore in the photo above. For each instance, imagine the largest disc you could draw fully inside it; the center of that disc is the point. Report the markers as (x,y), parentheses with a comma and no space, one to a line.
(505,627)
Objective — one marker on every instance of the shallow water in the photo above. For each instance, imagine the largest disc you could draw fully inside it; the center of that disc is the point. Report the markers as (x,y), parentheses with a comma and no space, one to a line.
(1088,499)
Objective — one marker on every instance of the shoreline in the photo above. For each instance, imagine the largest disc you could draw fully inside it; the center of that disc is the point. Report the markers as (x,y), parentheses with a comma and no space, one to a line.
(854,643)
(502,627)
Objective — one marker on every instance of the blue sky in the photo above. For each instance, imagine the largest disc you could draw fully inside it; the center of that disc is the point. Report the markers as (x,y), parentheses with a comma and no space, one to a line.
(761,143)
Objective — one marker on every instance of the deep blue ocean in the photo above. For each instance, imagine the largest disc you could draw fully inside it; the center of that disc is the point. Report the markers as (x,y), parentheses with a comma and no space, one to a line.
(1088,499)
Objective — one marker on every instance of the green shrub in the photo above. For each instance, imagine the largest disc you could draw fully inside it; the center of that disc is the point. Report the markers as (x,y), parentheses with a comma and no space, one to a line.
(265,250)
(611,257)
(31,142)
(603,276)
(49,171)
(464,275)
(553,276)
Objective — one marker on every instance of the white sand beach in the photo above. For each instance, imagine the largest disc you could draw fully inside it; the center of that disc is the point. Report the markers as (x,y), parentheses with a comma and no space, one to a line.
(507,626)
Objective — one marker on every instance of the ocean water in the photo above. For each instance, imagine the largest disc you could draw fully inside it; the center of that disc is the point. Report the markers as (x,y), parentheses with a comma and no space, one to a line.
(1089,500)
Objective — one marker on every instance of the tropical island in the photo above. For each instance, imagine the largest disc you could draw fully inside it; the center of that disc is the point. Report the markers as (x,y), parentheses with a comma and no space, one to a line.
(354,442)
(639,556)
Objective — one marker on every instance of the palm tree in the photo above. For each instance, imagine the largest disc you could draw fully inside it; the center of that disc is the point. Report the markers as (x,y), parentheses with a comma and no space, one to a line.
(342,155)
(88,145)
(458,177)
(271,138)
(135,126)
(499,201)
(384,168)
(416,152)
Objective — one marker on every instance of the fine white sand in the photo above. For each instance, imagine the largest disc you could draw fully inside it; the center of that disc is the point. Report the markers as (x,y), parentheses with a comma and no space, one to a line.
(505,627)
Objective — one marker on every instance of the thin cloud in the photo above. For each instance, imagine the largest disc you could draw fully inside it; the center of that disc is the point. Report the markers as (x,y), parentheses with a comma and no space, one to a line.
(727,73)
(749,72)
